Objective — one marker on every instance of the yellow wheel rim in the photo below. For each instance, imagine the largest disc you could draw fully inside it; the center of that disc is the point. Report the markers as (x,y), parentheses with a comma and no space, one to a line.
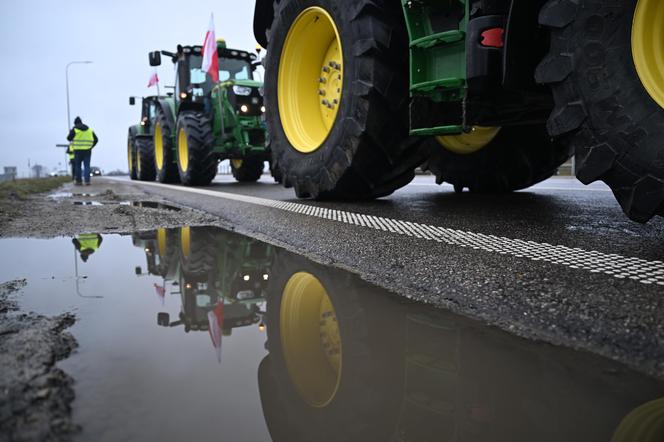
(138,161)
(161,242)
(158,146)
(185,241)
(310,339)
(183,150)
(237,163)
(130,158)
(648,47)
(310,79)
(464,144)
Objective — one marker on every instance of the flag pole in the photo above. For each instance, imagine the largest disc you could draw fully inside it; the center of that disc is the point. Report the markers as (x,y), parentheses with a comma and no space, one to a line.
(158,93)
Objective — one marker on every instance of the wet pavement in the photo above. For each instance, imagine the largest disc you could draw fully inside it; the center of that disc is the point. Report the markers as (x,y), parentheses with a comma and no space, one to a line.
(204,334)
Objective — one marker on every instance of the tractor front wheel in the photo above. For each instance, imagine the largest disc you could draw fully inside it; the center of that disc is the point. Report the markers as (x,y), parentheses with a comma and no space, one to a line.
(145,170)
(164,156)
(131,156)
(247,170)
(339,121)
(196,161)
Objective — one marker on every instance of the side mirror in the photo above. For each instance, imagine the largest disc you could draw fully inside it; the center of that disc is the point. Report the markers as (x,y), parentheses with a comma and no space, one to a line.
(155,58)
(132,101)
(163,319)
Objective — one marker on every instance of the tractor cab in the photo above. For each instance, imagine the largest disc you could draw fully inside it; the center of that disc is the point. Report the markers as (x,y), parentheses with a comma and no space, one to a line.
(195,88)
(148,111)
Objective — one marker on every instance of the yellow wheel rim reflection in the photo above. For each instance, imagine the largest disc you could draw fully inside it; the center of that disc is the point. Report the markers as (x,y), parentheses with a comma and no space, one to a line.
(161,242)
(643,424)
(237,163)
(183,150)
(466,143)
(310,339)
(185,241)
(310,79)
(138,161)
(158,146)
(648,46)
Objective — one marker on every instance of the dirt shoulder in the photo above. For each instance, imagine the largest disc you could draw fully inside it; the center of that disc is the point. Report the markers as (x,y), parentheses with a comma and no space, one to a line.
(103,207)
(35,395)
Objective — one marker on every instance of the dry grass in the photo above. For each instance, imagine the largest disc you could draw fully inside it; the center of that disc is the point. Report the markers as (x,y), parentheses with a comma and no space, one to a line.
(21,188)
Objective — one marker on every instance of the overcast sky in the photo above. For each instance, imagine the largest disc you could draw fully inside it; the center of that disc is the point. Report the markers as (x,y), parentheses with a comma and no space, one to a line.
(38,39)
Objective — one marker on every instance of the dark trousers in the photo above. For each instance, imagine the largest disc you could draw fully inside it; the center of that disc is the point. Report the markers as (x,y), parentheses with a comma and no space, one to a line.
(82,161)
(72,169)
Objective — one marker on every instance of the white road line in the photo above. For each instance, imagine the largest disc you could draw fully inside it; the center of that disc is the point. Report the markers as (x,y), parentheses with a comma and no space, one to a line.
(617,266)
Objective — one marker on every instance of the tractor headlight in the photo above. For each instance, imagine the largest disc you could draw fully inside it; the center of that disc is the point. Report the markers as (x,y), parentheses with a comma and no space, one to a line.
(244,108)
(183,95)
(263,109)
(242,90)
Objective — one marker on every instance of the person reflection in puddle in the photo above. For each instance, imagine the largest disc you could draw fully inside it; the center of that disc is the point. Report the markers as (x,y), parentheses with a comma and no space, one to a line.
(87,244)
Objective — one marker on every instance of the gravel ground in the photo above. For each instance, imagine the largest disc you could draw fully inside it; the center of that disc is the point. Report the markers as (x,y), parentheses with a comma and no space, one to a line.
(99,208)
(35,395)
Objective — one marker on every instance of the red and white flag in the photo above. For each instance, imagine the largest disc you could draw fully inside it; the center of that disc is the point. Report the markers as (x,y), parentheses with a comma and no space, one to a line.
(154,80)
(210,55)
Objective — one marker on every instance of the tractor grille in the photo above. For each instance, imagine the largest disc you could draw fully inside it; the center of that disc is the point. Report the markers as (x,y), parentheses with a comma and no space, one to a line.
(257,137)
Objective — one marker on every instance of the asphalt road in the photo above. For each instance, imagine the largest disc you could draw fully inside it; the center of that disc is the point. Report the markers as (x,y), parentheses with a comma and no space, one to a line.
(558,262)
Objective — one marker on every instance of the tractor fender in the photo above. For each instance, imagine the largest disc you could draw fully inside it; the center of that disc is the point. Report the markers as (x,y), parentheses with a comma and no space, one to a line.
(263,16)
(134,130)
(526,44)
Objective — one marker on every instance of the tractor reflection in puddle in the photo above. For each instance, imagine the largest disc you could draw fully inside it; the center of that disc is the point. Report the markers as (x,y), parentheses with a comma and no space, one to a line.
(221,278)
(348,361)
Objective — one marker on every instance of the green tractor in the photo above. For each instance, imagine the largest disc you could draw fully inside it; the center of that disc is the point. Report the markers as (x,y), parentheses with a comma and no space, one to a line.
(221,276)
(490,95)
(209,122)
(140,148)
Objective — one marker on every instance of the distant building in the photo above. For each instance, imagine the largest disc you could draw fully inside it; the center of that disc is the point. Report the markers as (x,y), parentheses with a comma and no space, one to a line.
(9,175)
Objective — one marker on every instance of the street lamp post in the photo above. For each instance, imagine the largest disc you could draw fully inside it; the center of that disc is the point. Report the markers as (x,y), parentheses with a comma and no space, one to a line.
(67,88)
(67,78)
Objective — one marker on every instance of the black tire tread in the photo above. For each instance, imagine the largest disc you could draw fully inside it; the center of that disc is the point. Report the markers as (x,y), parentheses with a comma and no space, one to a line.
(147,171)
(383,157)
(132,164)
(250,171)
(517,158)
(169,173)
(603,150)
(202,166)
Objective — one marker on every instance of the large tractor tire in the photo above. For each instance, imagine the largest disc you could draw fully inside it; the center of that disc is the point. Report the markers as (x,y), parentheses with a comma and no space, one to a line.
(248,170)
(276,172)
(131,155)
(339,121)
(164,153)
(607,76)
(166,252)
(495,160)
(145,169)
(197,251)
(197,164)
(335,365)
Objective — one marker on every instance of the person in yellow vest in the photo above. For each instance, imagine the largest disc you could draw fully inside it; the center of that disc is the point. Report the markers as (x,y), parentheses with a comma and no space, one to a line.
(70,155)
(87,244)
(82,139)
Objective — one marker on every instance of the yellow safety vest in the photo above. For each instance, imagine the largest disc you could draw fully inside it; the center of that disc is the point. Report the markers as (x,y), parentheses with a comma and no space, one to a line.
(83,139)
(89,241)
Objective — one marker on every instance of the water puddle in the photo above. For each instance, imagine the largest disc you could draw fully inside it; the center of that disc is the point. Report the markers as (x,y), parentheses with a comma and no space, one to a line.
(200,334)
(86,199)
